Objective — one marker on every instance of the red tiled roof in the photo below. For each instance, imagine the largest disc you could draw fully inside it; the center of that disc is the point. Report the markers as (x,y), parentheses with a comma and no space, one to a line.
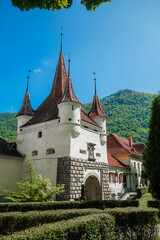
(7,148)
(140,147)
(61,91)
(69,94)
(96,109)
(114,162)
(48,110)
(117,145)
(85,118)
(26,108)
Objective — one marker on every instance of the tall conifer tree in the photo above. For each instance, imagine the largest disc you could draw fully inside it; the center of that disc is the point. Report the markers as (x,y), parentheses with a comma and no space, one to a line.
(152,156)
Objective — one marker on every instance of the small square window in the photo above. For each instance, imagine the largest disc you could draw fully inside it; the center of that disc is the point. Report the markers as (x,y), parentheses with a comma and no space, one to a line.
(39,134)
(34,153)
(50,151)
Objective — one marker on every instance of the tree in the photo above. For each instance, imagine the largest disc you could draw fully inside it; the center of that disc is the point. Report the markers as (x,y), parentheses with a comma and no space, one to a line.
(54,4)
(152,152)
(34,188)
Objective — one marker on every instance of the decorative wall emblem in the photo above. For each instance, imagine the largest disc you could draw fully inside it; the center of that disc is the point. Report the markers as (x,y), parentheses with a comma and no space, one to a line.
(91,148)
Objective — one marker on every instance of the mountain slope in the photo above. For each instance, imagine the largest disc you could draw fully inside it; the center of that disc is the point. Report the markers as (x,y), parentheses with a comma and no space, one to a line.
(8,126)
(128,112)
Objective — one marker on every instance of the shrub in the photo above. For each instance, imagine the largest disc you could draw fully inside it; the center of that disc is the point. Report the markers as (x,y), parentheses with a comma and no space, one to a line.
(16,221)
(34,187)
(153,204)
(141,191)
(93,227)
(135,223)
(24,207)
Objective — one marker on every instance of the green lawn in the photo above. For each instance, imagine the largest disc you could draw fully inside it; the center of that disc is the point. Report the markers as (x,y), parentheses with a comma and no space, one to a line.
(143,200)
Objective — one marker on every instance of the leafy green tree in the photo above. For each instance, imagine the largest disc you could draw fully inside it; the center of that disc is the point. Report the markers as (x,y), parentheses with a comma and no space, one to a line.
(34,188)
(152,153)
(54,4)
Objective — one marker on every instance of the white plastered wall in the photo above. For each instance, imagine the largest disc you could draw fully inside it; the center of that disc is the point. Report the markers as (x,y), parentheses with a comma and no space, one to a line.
(52,137)
(88,136)
(10,172)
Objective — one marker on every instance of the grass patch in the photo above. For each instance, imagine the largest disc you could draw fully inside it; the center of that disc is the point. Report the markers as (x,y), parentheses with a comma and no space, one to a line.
(143,200)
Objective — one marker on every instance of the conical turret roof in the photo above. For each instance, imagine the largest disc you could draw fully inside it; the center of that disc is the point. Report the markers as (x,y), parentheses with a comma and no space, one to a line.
(96,109)
(26,108)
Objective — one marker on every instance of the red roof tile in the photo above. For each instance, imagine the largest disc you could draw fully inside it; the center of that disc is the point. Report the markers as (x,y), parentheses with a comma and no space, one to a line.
(48,110)
(26,108)
(114,162)
(96,109)
(140,147)
(61,91)
(69,94)
(117,145)
(85,118)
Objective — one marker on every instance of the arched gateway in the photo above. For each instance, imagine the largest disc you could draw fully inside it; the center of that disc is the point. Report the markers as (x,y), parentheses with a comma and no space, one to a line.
(92,189)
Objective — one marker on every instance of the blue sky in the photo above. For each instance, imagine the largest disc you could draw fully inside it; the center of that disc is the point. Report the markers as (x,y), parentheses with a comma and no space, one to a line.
(120,41)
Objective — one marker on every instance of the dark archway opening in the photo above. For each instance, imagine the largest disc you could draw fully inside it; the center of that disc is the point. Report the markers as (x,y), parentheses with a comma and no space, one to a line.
(92,189)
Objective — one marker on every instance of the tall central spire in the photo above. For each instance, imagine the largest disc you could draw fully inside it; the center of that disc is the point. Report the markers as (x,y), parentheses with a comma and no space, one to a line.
(61,39)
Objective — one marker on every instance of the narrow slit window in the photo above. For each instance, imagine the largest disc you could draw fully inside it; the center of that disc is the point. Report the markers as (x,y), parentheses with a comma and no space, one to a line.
(39,134)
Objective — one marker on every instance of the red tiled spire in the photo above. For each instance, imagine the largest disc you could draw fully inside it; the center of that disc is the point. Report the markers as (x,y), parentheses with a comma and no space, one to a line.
(48,110)
(69,95)
(26,108)
(96,109)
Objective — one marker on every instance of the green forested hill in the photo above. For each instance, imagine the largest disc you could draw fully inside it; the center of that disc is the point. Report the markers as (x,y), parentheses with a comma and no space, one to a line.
(8,126)
(128,112)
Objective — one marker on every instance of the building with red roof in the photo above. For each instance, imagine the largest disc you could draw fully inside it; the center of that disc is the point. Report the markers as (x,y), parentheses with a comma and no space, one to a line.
(67,144)
(125,160)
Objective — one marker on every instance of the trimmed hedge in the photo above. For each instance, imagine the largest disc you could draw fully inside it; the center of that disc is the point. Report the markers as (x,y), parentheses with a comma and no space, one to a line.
(16,221)
(24,207)
(135,223)
(153,204)
(95,227)
(141,191)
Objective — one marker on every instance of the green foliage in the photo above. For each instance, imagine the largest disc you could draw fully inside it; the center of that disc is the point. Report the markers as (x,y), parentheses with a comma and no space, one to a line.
(8,126)
(54,4)
(93,227)
(17,221)
(141,191)
(152,152)
(153,204)
(128,113)
(34,188)
(135,223)
(24,207)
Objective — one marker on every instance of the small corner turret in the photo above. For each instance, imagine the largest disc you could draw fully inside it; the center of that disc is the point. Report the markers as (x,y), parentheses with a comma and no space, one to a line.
(26,111)
(98,115)
(69,108)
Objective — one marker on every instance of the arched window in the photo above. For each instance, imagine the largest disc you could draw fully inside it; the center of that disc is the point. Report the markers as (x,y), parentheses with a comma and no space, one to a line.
(111,177)
(115,177)
(121,178)
(50,151)
(34,153)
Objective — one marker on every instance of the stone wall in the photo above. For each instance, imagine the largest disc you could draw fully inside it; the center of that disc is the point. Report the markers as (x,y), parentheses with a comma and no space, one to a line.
(70,171)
